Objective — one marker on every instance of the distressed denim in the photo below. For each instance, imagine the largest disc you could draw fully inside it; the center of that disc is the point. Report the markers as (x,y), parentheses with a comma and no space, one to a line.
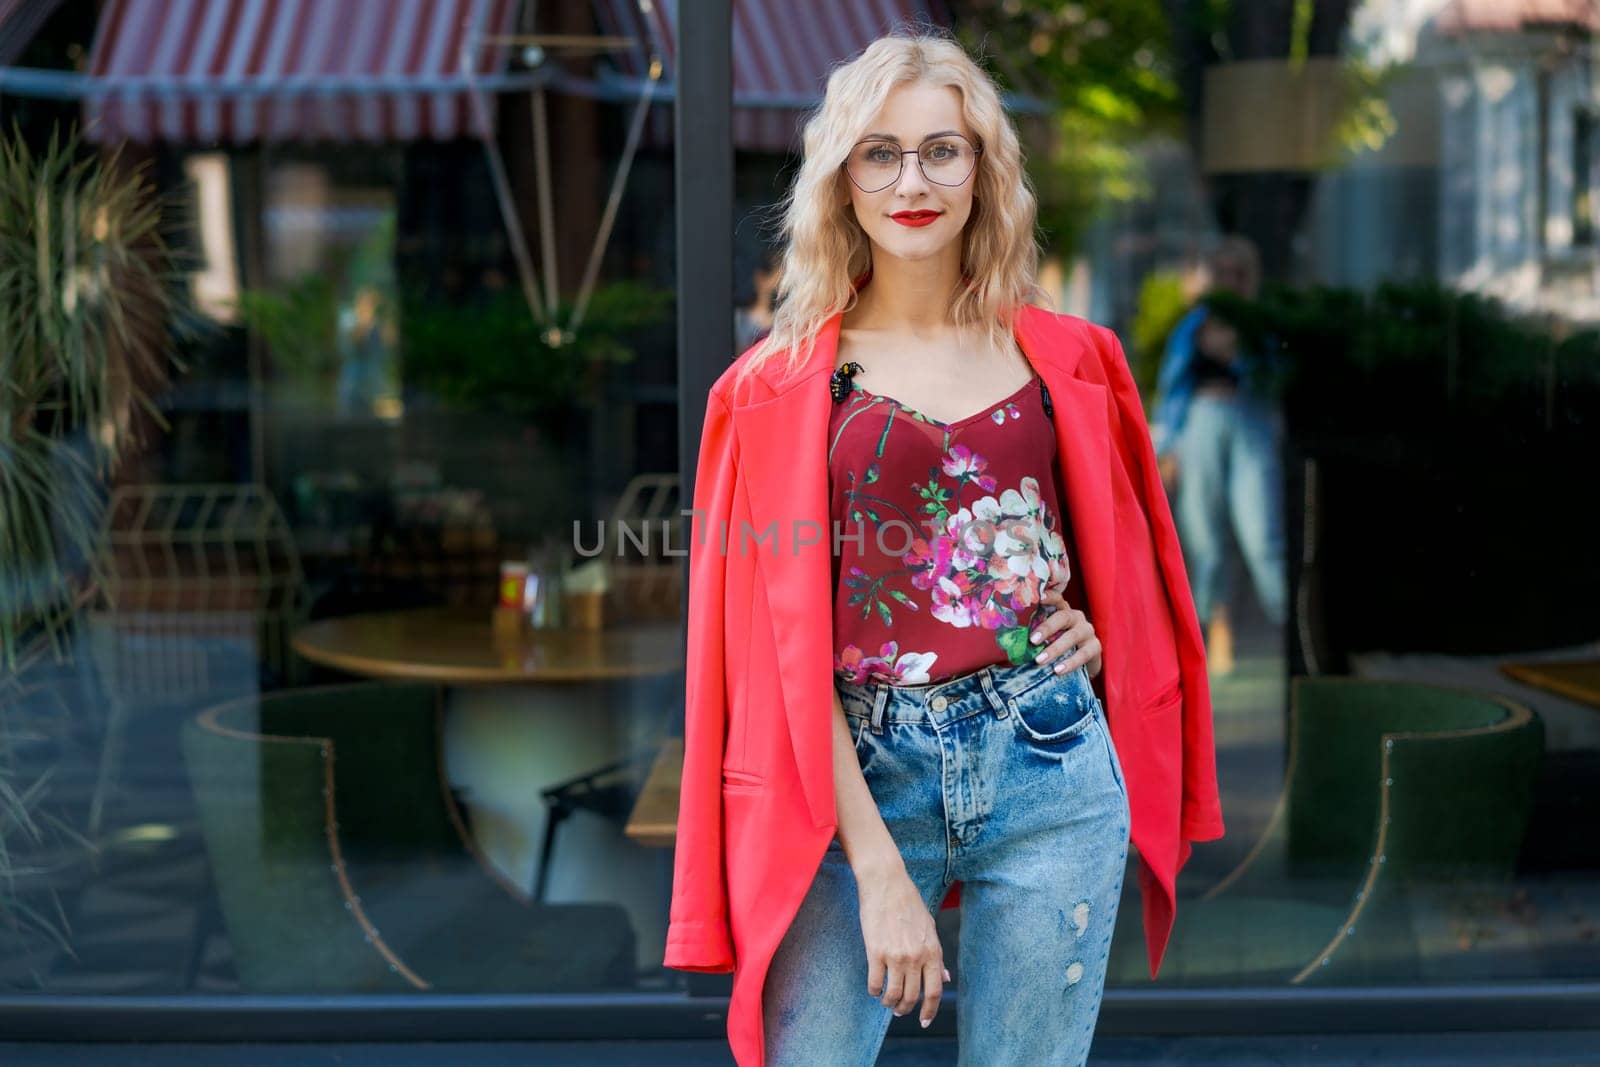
(1006,779)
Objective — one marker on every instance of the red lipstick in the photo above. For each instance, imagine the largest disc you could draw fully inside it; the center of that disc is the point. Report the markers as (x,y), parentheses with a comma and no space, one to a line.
(915,218)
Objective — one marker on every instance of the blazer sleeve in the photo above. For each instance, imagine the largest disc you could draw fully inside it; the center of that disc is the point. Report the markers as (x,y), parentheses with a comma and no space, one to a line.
(1201,818)
(698,934)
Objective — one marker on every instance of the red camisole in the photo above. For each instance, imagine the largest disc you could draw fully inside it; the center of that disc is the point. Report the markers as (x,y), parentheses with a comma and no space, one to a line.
(946,536)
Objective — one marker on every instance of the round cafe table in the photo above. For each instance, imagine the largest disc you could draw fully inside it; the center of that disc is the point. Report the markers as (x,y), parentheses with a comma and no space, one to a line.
(524,711)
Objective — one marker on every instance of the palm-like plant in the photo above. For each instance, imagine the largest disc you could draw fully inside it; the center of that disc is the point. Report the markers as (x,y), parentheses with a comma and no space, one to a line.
(85,303)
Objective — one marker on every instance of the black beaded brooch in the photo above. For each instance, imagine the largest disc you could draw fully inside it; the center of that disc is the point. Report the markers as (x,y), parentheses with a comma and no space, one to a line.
(839,381)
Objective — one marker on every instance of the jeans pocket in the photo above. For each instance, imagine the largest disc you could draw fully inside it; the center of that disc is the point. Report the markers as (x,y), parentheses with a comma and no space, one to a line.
(863,737)
(1055,713)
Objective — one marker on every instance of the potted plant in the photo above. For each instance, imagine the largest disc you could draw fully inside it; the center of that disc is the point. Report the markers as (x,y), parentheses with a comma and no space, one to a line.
(85,302)
(493,356)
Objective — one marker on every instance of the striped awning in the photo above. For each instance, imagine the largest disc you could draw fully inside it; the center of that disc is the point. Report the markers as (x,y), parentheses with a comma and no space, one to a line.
(305,70)
(782,52)
(19,21)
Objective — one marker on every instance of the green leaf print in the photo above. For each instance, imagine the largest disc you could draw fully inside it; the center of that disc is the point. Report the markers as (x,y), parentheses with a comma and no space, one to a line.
(884,614)
(1013,640)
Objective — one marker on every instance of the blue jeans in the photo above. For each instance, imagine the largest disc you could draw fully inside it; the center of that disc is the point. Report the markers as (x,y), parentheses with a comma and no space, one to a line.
(1229,471)
(1006,779)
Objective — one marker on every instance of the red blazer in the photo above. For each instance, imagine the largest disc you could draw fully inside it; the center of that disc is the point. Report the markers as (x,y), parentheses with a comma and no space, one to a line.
(756,807)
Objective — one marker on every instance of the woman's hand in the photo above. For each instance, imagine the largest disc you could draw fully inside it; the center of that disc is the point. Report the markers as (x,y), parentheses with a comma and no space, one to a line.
(905,961)
(1061,630)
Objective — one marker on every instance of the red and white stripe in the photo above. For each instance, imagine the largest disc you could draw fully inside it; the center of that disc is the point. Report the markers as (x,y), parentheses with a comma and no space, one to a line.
(780,49)
(245,70)
(19,21)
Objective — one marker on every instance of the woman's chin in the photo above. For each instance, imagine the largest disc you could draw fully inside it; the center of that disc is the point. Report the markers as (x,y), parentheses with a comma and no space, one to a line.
(911,249)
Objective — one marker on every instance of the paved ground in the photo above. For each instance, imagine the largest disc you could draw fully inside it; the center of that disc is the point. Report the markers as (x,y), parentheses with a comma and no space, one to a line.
(1560,1049)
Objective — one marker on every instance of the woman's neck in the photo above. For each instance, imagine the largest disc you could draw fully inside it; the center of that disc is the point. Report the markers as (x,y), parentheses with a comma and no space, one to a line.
(907,296)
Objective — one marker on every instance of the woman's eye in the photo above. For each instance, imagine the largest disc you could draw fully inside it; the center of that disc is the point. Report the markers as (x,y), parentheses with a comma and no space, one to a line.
(940,151)
(879,155)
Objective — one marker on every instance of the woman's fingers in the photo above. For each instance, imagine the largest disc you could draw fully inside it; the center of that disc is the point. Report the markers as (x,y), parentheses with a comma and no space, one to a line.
(875,974)
(893,986)
(1057,626)
(910,989)
(1087,650)
(933,990)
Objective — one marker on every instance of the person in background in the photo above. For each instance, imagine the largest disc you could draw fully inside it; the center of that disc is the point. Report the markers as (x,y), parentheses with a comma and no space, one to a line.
(1218,440)
(752,318)
(365,341)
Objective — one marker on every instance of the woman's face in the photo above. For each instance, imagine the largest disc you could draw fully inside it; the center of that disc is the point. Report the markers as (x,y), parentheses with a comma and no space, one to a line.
(914,218)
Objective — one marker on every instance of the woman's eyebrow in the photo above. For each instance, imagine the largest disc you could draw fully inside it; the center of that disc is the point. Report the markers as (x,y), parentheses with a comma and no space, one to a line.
(896,140)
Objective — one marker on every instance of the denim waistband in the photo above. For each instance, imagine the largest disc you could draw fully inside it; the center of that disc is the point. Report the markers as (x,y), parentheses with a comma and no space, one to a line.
(937,703)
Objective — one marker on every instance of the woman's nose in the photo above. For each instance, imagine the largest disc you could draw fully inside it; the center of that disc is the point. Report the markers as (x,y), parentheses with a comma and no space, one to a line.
(911,179)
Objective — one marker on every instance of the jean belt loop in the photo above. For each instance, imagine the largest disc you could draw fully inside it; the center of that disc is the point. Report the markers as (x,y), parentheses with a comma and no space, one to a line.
(879,702)
(986,680)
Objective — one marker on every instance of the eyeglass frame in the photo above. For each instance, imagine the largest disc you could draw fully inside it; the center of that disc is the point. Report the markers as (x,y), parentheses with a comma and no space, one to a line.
(977,150)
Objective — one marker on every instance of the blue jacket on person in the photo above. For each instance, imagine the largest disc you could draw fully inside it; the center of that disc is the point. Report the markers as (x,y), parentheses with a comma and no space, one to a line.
(1175,377)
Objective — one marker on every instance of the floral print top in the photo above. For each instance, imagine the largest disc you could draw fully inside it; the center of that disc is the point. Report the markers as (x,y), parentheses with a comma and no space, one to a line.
(947,536)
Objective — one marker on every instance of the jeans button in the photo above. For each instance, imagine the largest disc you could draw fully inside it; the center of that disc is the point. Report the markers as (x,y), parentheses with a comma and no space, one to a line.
(940,703)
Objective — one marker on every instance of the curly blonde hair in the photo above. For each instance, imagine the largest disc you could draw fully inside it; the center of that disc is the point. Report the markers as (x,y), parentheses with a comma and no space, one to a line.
(825,248)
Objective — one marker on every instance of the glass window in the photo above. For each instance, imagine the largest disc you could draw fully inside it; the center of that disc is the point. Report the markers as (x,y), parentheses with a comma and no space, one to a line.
(344,681)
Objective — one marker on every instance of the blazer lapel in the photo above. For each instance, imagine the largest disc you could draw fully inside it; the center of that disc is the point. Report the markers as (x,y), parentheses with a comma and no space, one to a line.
(782,444)
(1083,444)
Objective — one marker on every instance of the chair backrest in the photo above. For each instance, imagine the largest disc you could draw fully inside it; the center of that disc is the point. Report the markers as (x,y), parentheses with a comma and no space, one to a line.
(197,580)
(1444,774)
(295,790)
(648,585)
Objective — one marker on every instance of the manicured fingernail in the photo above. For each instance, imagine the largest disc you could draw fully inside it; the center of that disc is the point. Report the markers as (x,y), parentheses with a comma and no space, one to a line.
(1036,637)
(1060,667)
(925,1023)
(1039,658)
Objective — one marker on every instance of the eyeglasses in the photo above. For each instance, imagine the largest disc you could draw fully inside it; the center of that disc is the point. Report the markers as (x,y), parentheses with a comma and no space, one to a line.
(947,159)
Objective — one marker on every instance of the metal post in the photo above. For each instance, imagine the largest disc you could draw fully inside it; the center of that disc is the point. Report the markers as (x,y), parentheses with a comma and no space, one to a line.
(703,142)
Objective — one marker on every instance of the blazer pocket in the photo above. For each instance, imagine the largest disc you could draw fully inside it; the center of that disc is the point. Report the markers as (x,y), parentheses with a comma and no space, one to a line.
(1167,697)
(742,781)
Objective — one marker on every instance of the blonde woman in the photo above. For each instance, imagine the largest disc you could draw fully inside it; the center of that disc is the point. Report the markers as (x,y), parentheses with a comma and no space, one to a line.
(911,498)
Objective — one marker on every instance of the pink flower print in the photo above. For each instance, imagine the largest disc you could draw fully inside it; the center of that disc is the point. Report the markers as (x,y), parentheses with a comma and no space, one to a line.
(927,561)
(1023,500)
(858,668)
(1018,550)
(974,538)
(1060,569)
(999,414)
(963,463)
(912,668)
(954,603)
